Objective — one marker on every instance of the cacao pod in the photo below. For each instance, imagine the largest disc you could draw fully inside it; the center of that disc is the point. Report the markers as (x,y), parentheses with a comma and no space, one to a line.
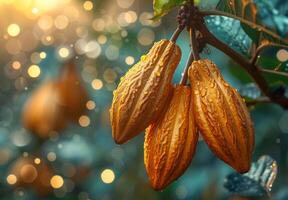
(171,141)
(73,93)
(29,174)
(43,113)
(221,116)
(144,91)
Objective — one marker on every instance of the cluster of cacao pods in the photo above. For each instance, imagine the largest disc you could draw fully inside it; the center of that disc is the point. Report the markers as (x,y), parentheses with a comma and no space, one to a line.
(174,115)
(55,103)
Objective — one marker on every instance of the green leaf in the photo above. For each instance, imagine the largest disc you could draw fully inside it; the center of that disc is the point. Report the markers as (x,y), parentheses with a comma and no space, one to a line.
(162,7)
(246,12)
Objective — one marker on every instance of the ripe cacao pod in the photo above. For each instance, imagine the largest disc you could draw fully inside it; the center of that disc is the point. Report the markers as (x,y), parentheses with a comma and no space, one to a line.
(144,91)
(43,113)
(35,176)
(170,142)
(221,116)
(72,91)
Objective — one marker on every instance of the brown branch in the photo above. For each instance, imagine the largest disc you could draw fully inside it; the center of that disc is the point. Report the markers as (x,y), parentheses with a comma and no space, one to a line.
(252,69)
(176,34)
(261,48)
(269,71)
(257,101)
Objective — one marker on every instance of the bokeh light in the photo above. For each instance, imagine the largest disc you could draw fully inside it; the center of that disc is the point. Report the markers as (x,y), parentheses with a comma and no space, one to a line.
(88,5)
(282,55)
(64,52)
(11,179)
(107,176)
(84,121)
(61,22)
(16,65)
(43,55)
(56,181)
(97,84)
(13,30)
(129,60)
(37,161)
(51,156)
(90,105)
(146,36)
(34,71)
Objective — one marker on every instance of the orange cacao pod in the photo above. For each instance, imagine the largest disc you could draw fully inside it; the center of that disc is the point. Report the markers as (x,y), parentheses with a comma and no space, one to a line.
(73,93)
(221,116)
(144,90)
(170,142)
(43,113)
(29,174)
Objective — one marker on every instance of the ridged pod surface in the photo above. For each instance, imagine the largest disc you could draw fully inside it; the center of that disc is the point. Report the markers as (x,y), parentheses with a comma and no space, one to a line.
(144,91)
(171,141)
(221,116)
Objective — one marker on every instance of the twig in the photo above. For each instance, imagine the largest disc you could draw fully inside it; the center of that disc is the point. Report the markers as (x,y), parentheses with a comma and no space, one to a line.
(269,71)
(261,48)
(176,34)
(252,70)
(194,43)
(257,101)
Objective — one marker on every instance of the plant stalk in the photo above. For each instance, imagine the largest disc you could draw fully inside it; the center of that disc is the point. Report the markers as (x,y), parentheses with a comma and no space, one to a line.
(176,34)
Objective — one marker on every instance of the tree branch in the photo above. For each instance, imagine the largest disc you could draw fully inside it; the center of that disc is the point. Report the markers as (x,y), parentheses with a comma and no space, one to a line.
(261,48)
(252,69)
(257,101)
(269,71)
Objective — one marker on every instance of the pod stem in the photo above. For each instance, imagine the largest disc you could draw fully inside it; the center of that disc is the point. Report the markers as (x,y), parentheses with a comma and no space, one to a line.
(192,57)
(194,44)
(176,34)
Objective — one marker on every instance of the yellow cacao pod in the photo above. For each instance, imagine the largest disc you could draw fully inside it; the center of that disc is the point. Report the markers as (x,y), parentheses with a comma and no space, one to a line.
(43,113)
(171,141)
(72,91)
(143,91)
(221,116)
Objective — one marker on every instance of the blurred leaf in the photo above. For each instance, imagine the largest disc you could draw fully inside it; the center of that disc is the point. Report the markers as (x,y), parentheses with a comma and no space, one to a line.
(274,14)
(229,31)
(270,62)
(246,12)
(257,182)
(162,7)
(250,90)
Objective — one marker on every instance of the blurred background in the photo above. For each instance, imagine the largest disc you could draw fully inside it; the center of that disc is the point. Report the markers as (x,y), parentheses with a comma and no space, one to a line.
(59,54)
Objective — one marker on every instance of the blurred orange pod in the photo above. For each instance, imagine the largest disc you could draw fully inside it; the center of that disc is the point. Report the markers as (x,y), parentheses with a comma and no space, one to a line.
(44,113)
(31,172)
(73,93)
(55,103)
